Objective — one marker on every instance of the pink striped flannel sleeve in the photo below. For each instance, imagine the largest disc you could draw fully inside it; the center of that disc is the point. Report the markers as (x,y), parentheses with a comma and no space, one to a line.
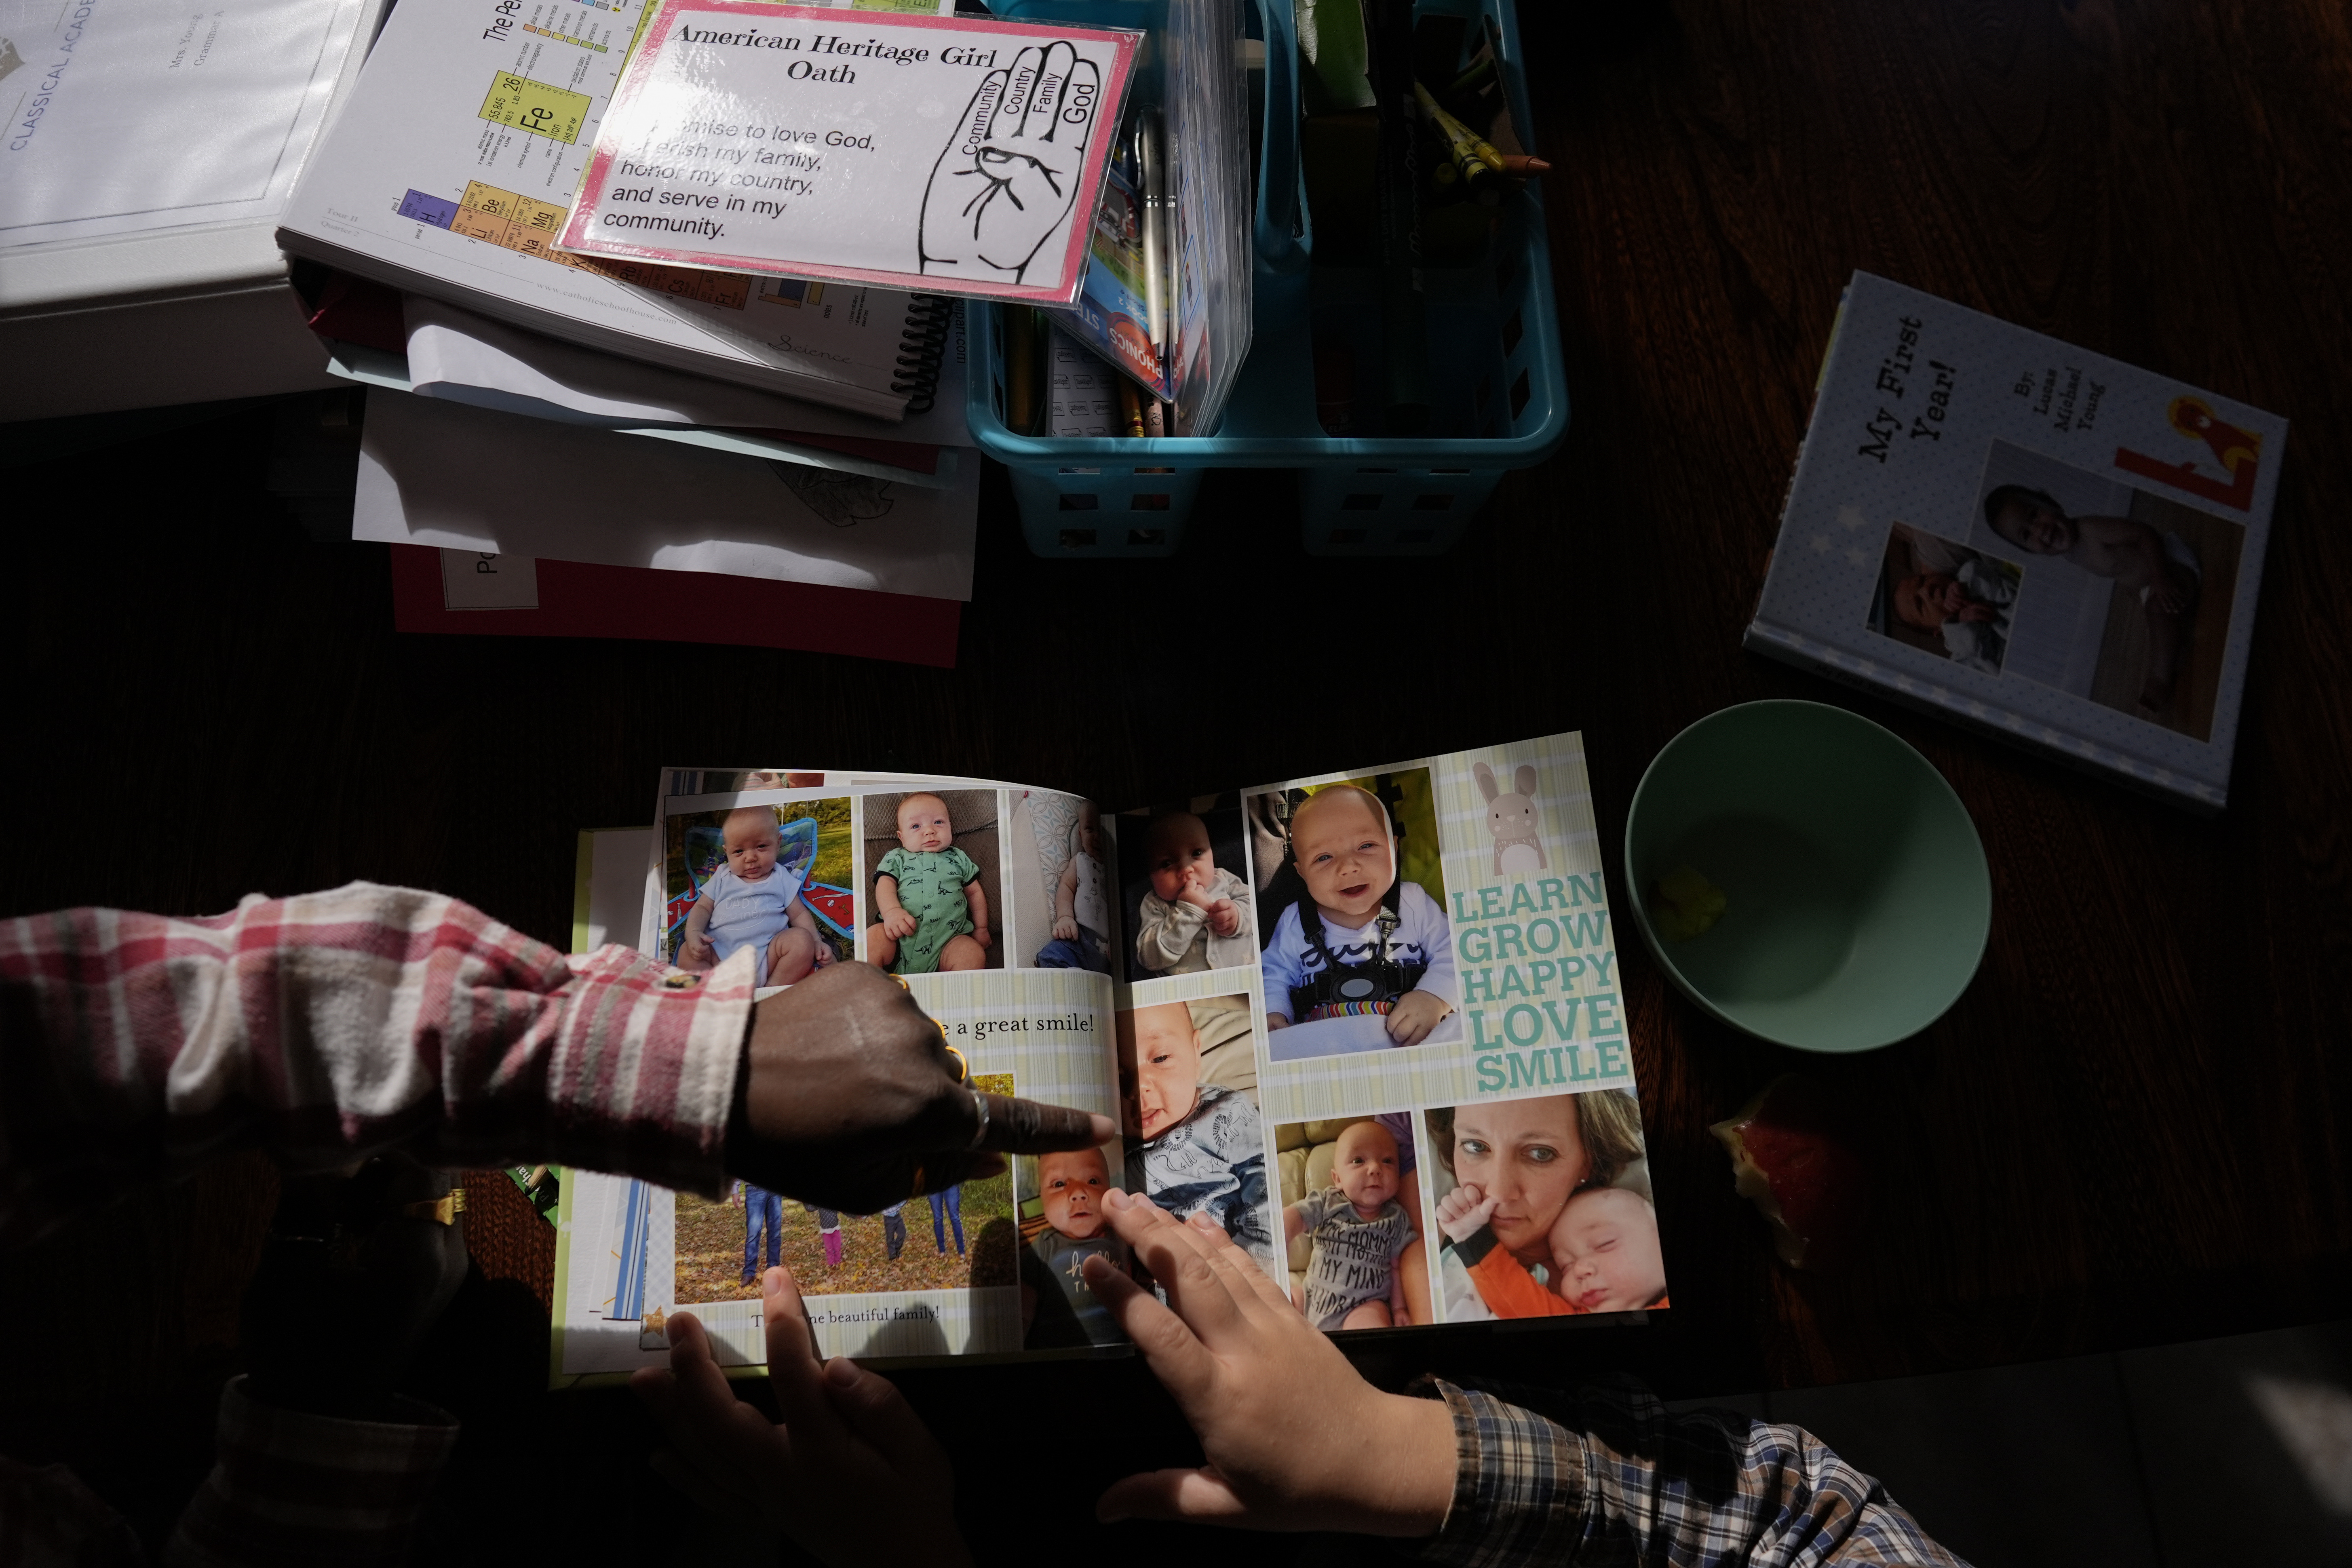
(328,1026)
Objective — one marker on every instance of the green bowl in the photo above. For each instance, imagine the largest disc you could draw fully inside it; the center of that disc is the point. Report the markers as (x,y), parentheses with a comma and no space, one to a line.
(1857,896)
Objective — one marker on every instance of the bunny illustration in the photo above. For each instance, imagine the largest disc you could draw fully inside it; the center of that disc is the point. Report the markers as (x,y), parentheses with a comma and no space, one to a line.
(1511,818)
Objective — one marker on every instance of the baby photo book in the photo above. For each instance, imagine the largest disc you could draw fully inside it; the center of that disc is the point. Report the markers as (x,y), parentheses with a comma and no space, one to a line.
(2033,539)
(1369,1022)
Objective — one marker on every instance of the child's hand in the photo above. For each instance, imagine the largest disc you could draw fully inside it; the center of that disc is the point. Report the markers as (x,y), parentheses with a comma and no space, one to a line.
(899,925)
(980,934)
(2167,595)
(1278,1021)
(1416,1014)
(1463,1212)
(825,953)
(1224,916)
(1195,891)
(1065,929)
(851,1473)
(1974,609)
(697,953)
(1242,1363)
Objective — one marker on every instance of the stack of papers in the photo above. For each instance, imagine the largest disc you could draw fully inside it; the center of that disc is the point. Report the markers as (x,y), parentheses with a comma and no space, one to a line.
(542,489)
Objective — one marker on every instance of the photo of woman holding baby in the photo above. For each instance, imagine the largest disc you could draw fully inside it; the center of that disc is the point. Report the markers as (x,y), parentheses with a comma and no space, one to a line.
(1544,1207)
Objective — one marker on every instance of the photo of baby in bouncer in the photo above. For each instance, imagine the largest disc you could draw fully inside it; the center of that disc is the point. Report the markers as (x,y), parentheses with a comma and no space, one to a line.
(1351,893)
(774,879)
(1544,1207)
(2135,586)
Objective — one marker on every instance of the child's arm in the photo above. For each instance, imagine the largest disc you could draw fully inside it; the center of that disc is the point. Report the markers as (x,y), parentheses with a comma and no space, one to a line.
(2131,551)
(896,924)
(1066,903)
(1463,1213)
(1416,1014)
(1274,968)
(1413,1273)
(976,900)
(1197,892)
(1165,933)
(1293,1221)
(1229,914)
(1423,1007)
(694,950)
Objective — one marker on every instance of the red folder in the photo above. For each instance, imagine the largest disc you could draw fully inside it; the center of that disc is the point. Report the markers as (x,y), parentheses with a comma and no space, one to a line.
(577,599)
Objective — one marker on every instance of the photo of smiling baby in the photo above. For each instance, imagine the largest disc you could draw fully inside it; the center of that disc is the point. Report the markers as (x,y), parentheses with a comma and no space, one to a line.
(1544,1208)
(1359,955)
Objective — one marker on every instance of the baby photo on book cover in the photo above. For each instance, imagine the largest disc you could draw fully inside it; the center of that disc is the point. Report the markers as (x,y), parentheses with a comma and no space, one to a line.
(1350,884)
(1543,1208)
(1946,599)
(1351,1219)
(936,902)
(2131,591)
(775,879)
(1184,888)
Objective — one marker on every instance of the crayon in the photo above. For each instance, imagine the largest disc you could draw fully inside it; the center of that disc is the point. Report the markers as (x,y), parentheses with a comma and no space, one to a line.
(1131,409)
(1519,165)
(1461,167)
(1021,357)
(1155,417)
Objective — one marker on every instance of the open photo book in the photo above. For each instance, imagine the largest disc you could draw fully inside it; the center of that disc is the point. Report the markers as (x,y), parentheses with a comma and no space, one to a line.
(1367,1021)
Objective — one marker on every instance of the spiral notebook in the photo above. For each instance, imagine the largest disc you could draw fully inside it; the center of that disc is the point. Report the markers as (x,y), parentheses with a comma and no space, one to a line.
(455,164)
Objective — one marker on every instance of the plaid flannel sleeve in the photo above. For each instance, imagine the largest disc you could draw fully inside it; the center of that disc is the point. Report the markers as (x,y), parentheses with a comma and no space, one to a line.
(333,1025)
(291,1487)
(1594,1477)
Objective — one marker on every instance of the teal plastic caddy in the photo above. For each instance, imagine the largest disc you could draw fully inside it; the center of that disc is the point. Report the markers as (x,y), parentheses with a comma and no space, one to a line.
(1493,349)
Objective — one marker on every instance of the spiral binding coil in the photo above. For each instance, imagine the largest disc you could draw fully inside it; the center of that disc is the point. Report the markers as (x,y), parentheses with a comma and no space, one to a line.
(920,349)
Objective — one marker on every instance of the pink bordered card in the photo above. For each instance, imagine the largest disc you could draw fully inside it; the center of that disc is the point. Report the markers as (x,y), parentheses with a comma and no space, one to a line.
(946,155)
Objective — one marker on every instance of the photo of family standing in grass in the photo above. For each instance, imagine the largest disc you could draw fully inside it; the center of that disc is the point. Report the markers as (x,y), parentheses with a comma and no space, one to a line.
(947,1241)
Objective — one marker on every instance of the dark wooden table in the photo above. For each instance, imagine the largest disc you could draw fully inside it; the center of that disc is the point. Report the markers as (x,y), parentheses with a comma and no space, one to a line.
(2135,1126)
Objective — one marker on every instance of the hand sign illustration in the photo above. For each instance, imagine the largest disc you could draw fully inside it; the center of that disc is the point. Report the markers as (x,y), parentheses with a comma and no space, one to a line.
(1010,171)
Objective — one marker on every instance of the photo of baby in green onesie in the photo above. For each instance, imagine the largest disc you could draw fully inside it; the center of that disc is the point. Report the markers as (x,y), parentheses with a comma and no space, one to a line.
(930,898)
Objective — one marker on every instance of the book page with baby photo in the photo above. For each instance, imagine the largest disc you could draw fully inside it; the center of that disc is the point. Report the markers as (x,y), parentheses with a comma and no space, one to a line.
(1369,1023)
(991,901)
